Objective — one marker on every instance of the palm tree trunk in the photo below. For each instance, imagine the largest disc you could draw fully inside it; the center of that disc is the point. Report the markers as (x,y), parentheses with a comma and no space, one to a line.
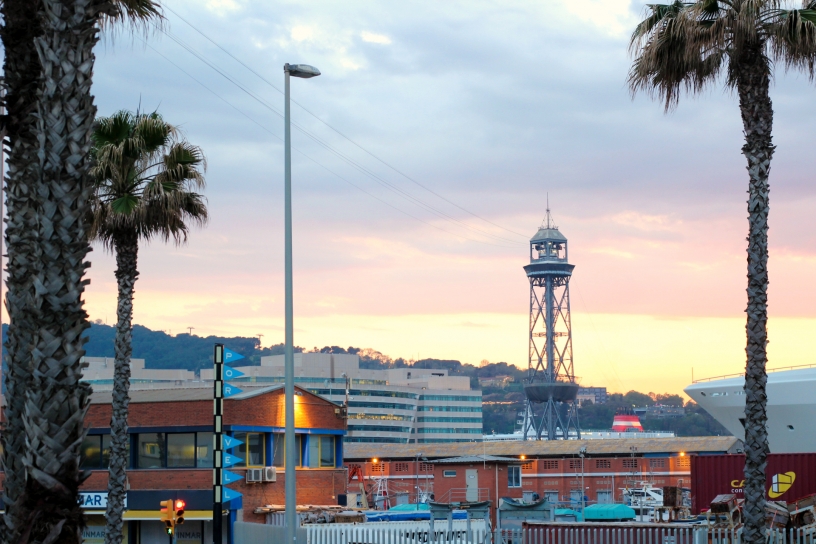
(22,75)
(757,117)
(127,248)
(57,400)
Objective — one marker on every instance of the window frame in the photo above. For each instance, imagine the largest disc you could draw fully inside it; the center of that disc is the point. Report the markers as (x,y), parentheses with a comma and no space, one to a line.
(246,435)
(510,480)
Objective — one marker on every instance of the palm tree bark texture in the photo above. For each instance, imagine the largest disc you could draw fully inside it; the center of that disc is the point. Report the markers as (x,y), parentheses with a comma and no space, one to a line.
(57,399)
(126,245)
(690,45)
(22,76)
(753,81)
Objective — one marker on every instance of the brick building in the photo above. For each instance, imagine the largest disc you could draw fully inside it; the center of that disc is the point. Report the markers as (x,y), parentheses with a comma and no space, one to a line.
(171,456)
(519,469)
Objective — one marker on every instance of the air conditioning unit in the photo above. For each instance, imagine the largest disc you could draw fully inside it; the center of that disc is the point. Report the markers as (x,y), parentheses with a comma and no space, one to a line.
(254,475)
(270,474)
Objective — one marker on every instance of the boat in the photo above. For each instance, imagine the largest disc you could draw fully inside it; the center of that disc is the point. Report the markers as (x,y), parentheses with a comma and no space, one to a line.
(791,406)
(642,496)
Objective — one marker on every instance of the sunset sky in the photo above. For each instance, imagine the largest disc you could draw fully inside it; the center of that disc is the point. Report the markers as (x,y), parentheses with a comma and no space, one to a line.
(492,106)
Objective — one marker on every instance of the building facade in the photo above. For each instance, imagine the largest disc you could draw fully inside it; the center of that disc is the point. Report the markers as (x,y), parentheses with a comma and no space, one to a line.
(597,395)
(171,457)
(397,406)
(522,469)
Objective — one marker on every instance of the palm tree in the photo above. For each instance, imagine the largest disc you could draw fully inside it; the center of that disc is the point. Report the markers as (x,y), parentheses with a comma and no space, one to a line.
(146,177)
(21,79)
(49,64)
(689,46)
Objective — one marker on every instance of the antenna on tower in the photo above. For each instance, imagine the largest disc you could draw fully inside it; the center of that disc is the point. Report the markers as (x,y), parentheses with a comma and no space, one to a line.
(548,221)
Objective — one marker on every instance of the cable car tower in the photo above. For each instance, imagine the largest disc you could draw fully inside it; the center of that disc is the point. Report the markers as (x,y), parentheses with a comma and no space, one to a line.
(550,387)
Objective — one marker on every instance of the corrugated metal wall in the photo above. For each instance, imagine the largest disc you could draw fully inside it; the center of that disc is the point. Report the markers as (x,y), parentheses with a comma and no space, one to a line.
(789,476)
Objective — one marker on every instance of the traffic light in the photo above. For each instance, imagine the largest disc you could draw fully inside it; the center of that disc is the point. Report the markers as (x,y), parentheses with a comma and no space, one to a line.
(178,515)
(168,515)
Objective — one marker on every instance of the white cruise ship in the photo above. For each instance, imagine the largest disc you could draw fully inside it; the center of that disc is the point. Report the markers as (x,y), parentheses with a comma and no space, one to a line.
(791,406)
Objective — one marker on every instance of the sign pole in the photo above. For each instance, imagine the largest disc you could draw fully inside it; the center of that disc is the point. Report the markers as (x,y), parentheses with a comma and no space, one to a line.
(218,394)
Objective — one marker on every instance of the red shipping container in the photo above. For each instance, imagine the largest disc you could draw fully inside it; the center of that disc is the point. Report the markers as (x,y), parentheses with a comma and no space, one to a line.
(788,476)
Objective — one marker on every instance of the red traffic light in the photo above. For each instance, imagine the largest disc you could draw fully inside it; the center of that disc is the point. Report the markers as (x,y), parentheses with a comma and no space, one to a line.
(180,505)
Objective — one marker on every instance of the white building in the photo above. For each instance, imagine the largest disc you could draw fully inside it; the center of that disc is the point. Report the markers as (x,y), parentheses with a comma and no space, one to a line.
(399,405)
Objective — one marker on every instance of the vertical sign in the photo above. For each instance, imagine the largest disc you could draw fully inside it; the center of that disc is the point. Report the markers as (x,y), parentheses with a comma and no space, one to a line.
(218,408)
(222,459)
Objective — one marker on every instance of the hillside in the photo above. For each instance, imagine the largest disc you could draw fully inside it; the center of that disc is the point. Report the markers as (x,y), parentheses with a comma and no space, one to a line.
(501,404)
(161,350)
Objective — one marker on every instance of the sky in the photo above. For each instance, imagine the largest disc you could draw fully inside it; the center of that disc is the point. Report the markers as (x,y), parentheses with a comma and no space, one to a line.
(424,157)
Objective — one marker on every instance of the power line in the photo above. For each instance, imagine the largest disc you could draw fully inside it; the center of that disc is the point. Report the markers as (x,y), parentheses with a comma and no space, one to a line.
(329,148)
(349,139)
(264,128)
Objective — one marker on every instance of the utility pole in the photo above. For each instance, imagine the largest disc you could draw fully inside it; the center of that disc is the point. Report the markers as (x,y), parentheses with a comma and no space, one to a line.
(259,335)
(191,330)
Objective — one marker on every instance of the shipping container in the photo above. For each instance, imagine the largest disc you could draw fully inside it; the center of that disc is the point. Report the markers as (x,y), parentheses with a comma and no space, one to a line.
(788,476)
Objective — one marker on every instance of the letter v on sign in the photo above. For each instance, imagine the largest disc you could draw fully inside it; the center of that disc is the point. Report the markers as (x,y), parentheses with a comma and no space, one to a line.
(230,442)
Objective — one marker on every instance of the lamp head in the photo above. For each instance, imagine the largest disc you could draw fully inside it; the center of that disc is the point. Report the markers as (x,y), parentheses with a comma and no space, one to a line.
(301,70)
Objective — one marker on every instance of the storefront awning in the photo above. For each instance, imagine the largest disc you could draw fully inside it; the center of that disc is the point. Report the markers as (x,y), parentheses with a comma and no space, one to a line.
(156,515)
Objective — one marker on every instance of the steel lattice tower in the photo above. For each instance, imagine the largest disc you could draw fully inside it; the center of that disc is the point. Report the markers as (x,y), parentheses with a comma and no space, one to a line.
(550,387)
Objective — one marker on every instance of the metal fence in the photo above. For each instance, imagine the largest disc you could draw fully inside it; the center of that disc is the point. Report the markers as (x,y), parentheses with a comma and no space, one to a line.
(554,533)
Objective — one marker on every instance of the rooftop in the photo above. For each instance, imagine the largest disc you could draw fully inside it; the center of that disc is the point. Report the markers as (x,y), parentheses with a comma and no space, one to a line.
(185,394)
(545,234)
(555,448)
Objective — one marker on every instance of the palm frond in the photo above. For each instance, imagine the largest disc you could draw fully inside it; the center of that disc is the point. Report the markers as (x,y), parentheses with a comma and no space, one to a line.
(136,14)
(792,39)
(145,179)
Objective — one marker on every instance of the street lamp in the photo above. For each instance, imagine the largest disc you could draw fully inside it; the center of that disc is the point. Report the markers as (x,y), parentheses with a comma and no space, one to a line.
(581,454)
(418,455)
(290,517)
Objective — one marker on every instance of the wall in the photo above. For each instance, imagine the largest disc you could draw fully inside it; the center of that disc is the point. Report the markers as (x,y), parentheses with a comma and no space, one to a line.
(491,478)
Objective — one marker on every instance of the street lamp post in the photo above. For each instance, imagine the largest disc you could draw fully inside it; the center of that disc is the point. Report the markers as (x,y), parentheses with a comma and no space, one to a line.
(290,518)
(581,454)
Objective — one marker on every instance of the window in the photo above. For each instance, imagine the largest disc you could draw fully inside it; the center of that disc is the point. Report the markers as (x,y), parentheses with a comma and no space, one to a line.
(630,463)
(279,449)
(514,476)
(447,430)
(657,463)
(95,452)
(400,467)
(427,419)
(684,462)
(251,451)
(575,464)
(321,451)
(449,408)
(382,428)
(603,463)
(378,467)
(426,467)
(151,450)
(454,398)
(527,466)
(181,450)
(448,473)
(204,450)
(551,496)
(549,464)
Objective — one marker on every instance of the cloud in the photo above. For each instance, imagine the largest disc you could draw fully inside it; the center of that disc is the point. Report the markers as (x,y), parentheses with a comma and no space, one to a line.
(222,7)
(473,112)
(371,37)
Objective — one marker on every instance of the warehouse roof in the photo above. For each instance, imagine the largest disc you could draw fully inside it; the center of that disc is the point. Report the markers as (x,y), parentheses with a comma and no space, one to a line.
(534,448)
(478,459)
